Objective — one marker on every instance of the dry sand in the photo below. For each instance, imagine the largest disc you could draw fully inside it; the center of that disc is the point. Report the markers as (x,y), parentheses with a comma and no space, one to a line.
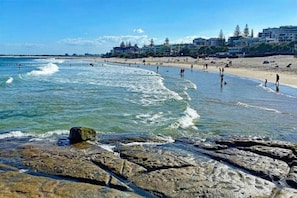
(284,65)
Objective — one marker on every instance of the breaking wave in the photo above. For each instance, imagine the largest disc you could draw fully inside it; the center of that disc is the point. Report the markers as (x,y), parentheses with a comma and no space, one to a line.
(9,80)
(187,119)
(257,107)
(46,70)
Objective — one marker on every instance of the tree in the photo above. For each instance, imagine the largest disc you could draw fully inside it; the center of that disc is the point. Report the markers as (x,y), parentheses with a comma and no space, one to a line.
(237,31)
(246,31)
(166,42)
(152,43)
(221,38)
(122,44)
(252,33)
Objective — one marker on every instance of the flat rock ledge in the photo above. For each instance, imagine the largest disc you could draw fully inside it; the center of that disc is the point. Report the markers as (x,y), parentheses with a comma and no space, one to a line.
(149,167)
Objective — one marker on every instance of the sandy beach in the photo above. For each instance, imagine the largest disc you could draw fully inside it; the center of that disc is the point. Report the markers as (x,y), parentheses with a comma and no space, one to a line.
(260,68)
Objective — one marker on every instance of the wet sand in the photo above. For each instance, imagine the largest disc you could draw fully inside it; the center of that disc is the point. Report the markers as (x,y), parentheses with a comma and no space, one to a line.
(260,68)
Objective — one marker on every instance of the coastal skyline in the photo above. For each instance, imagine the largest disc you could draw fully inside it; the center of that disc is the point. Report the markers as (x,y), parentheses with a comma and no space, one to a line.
(64,26)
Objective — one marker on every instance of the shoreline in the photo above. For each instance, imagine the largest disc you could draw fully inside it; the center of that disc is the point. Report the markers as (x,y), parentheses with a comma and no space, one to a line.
(253,68)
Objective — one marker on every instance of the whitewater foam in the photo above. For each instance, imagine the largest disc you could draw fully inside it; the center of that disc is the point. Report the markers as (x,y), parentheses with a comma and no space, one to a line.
(187,120)
(13,134)
(9,80)
(51,134)
(152,118)
(257,107)
(164,139)
(46,70)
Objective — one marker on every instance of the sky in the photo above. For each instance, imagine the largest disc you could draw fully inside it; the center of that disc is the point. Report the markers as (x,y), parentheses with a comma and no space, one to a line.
(58,27)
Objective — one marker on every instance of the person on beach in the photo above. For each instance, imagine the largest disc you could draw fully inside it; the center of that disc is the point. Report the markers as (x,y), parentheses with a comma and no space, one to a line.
(277,83)
(182,72)
(277,79)
(265,84)
(222,79)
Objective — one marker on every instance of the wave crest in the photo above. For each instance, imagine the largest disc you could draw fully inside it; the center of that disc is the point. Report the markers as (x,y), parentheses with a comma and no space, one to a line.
(187,120)
(9,80)
(46,70)
(257,107)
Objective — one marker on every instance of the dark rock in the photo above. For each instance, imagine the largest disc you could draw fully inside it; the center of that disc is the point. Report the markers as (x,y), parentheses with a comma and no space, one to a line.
(63,142)
(292,177)
(152,158)
(68,163)
(117,165)
(207,179)
(15,184)
(79,134)
(273,152)
(237,167)
(210,146)
(259,165)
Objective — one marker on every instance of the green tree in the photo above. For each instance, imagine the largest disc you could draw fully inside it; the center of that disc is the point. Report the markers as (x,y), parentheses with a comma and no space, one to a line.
(237,31)
(152,43)
(252,33)
(221,38)
(122,44)
(166,42)
(246,31)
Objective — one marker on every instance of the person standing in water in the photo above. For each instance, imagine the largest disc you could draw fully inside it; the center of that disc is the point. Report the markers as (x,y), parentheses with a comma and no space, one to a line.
(265,84)
(277,79)
(277,83)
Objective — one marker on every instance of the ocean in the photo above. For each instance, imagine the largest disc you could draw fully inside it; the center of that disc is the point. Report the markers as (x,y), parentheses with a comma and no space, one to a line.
(45,97)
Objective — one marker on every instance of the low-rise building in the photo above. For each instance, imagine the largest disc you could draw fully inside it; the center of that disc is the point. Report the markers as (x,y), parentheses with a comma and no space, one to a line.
(123,50)
(281,34)
(201,42)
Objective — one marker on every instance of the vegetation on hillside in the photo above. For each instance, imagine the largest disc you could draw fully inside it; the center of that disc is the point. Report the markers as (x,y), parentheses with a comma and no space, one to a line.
(262,49)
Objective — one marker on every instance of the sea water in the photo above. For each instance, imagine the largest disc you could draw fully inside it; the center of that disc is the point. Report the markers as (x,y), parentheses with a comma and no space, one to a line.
(44,98)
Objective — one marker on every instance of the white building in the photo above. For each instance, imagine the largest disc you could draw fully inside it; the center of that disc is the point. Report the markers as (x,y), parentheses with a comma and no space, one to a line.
(281,34)
(200,42)
(287,33)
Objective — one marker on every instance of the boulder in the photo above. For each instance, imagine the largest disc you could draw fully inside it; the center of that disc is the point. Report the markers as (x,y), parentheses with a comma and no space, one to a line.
(80,134)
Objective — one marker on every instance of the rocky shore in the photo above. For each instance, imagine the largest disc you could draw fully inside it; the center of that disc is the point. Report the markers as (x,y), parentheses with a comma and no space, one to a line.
(143,166)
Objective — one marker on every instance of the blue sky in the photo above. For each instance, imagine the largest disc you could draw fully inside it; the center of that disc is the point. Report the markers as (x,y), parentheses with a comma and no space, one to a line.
(95,26)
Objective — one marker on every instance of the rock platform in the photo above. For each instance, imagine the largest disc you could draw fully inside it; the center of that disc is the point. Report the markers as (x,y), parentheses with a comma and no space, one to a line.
(142,166)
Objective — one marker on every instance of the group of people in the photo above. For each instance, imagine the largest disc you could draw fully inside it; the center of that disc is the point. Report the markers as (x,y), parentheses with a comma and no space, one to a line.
(182,72)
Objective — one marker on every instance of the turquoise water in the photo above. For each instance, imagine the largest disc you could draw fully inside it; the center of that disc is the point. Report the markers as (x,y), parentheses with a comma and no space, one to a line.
(46,97)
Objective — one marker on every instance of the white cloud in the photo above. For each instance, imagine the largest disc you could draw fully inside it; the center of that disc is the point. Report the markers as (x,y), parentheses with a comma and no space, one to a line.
(80,42)
(106,40)
(138,30)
